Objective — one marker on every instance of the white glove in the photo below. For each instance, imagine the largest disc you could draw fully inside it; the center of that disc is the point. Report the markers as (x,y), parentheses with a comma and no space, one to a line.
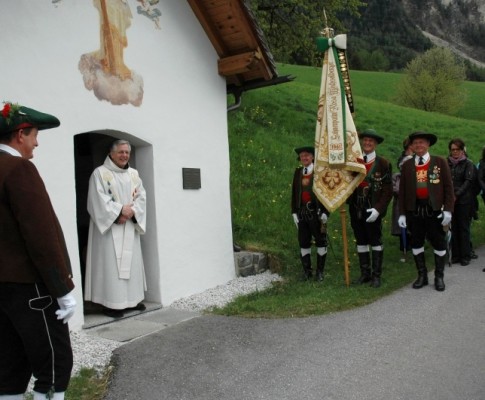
(373,215)
(402,221)
(67,304)
(295,218)
(446,217)
(324,218)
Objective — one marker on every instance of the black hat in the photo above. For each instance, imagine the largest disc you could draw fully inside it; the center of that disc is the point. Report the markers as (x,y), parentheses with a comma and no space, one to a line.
(15,116)
(430,137)
(308,149)
(371,133)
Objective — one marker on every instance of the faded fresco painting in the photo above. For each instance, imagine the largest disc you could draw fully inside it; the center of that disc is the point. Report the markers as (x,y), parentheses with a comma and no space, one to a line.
(148,9)
(104,70)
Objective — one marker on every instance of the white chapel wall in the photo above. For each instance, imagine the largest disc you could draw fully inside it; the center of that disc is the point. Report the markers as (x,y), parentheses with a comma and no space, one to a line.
(182,116)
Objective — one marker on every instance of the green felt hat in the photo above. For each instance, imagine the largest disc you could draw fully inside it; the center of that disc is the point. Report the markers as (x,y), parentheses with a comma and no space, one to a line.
(308,149)
(14,116)
(371,133)
(430,137)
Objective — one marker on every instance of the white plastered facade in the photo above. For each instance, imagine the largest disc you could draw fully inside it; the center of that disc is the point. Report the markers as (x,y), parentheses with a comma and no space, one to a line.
(181,123)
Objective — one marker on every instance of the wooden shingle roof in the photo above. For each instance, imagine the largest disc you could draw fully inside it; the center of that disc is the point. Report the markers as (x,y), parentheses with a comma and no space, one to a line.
(244,56)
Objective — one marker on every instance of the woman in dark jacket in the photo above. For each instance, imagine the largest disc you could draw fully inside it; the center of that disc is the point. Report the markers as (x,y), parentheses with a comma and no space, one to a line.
(463,174)
(481,176)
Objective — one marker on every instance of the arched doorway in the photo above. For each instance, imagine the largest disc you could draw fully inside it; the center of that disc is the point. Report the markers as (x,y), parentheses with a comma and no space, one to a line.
(90,151)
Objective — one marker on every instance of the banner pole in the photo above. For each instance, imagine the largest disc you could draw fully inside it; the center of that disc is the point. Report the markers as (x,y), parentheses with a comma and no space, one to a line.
(346,250)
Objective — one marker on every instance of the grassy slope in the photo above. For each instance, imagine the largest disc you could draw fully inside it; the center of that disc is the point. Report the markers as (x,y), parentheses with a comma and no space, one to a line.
(263,133)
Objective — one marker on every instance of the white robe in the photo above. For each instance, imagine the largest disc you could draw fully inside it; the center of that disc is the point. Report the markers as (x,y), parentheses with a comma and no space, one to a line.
(115,275)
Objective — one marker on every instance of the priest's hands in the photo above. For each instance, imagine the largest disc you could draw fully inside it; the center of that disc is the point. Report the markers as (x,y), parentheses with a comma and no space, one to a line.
(126,214)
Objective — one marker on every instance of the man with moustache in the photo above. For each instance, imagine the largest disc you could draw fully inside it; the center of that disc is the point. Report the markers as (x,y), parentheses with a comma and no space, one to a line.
(426,200)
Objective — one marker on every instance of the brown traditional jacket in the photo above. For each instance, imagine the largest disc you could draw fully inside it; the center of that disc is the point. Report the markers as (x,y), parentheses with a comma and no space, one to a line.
(296,194)
(379,179)
(32,245)
(440,186)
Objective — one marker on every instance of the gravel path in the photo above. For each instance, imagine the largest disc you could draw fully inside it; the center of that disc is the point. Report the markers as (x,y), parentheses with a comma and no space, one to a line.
(95,352)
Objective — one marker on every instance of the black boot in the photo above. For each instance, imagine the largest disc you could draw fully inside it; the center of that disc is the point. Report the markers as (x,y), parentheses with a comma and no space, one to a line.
(320,267)
(306,262)
(365,272)
(439,272)
(422,271)
(377,257)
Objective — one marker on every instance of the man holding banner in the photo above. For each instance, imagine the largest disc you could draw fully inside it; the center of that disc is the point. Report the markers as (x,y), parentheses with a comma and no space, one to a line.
(339,166)
(367,206)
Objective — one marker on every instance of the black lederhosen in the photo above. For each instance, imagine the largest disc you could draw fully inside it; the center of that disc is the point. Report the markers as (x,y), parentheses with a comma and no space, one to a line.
(366,233)
(423,223)
(309,224)
(32,340)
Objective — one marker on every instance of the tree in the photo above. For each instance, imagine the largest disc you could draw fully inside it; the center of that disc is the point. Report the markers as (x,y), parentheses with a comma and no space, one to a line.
(291,26)
(432,82)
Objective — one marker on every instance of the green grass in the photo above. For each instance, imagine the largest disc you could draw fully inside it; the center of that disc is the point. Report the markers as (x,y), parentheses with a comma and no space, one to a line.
(262,135)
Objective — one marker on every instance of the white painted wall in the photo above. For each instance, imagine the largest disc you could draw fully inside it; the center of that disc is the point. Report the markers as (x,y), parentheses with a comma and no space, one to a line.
(183,117)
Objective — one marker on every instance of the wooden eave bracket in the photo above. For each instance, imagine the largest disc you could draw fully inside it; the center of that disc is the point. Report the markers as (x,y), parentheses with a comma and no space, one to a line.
(240,63)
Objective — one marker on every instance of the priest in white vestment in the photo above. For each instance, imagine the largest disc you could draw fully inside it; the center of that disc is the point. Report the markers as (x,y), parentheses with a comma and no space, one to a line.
(115,276)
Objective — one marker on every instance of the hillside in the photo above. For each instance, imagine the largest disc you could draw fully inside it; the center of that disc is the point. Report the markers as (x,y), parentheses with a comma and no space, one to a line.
(271,122)
(457,24)
(402,29)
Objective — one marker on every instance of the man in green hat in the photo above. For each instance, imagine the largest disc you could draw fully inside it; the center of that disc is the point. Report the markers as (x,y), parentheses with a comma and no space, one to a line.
(309,215)
(367,206)
(35,272)
(426,201)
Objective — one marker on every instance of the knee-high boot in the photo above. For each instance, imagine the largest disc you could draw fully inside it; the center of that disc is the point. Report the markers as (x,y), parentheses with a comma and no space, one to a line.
(422,271)
(306,262)
(377,257)
(365,271)
(439,272)
(320,267)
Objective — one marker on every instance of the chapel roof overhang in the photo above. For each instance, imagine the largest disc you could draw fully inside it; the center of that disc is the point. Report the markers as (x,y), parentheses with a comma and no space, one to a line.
(245,59)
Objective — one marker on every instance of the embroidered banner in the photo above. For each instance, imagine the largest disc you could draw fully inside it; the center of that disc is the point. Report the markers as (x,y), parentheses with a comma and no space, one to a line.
(339,167)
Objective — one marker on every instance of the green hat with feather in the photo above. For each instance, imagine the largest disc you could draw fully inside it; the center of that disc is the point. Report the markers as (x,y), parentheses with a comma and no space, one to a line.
(14,116)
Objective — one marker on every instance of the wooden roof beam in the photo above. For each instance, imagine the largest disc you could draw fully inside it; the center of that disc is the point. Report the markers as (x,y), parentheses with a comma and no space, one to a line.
(239,63)
(210,29)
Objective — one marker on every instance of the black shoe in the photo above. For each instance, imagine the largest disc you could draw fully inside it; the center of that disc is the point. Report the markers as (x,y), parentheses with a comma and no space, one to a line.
(363,279)
(319,276)
(464,263)
(375,283)
(307,276)
(420,282)
(139,307)
(439,284)
(109,312)
(473,255)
